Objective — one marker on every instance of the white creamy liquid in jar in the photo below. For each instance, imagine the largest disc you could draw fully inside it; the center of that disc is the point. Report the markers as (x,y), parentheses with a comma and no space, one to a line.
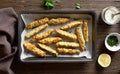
(108,15)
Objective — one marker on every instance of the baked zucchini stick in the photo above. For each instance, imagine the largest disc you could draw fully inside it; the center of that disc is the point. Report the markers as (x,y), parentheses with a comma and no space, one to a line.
(47,48)
(32,48)
(55,21)
(50,40)
(37,23)
(67,44)
(66,34)
(71,24)
(45,34)
(80,38)
(85,30)
(36,30)
(67,51)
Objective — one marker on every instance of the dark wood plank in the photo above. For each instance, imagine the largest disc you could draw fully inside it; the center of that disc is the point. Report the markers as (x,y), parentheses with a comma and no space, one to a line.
(70,68)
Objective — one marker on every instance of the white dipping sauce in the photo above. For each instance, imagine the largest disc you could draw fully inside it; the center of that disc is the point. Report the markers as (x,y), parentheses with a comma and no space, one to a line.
(108,15)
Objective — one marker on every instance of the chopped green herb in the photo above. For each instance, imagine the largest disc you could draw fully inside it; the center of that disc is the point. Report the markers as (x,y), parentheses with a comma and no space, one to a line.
(48,3)
(112,41)
(77,5)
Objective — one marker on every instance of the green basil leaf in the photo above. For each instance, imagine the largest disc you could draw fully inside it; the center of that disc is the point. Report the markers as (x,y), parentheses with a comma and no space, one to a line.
(77,5)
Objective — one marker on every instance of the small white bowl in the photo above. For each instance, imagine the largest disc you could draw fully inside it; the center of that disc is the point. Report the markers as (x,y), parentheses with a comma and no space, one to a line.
(113,48)
(104,12)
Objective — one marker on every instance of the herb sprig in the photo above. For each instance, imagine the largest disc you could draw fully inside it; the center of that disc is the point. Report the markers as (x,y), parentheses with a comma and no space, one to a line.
(77,5)
(112,41)
(48,4)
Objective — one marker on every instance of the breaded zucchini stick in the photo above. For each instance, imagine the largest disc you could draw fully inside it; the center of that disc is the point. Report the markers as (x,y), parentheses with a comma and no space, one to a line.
(66,34)
(50,40)
(55,21)
(67,51)
(80,38)
(85,30)
(37,23)
(67,44)
(42,35)
(32,48)
(71,24)
(47,48)
(36,30)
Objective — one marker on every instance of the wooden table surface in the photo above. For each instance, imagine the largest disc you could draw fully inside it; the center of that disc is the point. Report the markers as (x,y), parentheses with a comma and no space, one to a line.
(71,68)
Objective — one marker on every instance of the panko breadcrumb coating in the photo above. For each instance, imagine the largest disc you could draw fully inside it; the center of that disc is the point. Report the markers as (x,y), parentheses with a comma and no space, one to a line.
(45,34)
(36,30)
(85,30)
(80,38)
(67,51)
(50,40)
(67,44)
(32,48)
(71,24)
(66,34)
(47,48)
(55,21)
(37,23)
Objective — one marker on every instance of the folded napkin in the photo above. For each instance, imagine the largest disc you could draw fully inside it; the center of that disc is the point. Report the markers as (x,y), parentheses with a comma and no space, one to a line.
(8,38)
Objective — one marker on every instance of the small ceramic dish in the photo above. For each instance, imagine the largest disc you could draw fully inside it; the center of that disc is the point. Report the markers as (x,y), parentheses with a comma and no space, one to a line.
(106,15)
(115,47)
